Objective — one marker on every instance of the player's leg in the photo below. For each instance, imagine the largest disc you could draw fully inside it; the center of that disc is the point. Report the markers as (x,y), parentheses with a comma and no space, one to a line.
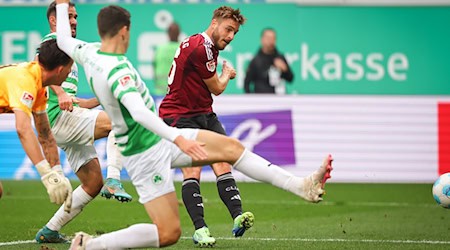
(151,175)
(113,187)
(227,187)
(87,168)
(193,202)
(190,190)
(221,148)
(74,133)
(231,197)
(164,231)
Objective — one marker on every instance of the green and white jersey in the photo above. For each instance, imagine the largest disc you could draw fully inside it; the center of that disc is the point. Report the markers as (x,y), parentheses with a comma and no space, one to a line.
(70,86)
(110,76)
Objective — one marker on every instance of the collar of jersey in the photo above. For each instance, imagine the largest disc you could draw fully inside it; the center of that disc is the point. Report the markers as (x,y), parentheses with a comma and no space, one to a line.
(109,54)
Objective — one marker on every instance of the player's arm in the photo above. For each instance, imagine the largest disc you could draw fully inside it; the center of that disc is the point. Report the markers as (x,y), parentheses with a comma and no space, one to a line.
(217,84)
(65,41)
(58,187)
(87,103)
(46,138)
(64,100)
(133,102)
(27,137)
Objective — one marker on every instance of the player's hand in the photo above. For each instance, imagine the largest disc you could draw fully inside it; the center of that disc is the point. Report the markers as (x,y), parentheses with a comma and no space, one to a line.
(75,100)
(228,70)
(280,64)
(58,188)
(192,148)
(65,102)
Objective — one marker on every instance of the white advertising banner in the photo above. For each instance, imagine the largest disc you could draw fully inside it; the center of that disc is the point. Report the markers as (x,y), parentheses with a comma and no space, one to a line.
(371,138)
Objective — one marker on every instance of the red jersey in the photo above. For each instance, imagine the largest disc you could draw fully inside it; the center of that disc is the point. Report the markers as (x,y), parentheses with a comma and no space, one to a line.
(195,60)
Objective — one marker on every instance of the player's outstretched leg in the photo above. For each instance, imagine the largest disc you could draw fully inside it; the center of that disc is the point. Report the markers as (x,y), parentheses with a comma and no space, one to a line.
(113,189)
(202,237)
(45,235)
(314,184)
(80,241)
(242,223)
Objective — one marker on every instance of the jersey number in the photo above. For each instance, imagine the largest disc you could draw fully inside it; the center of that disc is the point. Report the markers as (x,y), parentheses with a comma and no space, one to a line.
(173,69)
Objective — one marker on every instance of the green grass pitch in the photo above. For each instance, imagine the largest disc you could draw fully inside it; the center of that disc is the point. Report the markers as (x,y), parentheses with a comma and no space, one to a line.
(352,216)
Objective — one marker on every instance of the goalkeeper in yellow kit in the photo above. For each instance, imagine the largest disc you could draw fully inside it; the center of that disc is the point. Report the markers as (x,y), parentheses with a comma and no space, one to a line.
(23,92)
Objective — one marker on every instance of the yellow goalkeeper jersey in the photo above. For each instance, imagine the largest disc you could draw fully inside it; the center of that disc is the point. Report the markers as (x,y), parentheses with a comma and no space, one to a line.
(21,88)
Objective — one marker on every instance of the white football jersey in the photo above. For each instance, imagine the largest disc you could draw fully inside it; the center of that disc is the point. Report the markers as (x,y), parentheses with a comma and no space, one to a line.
(110,76)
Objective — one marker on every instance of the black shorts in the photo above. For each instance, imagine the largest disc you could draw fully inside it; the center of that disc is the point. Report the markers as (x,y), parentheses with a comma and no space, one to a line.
(204,121)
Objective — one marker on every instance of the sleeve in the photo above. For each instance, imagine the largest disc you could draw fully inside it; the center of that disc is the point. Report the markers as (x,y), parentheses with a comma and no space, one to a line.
(204,62)
(22,97)
(122,83)
(41,101)
(288,75)
(71,46)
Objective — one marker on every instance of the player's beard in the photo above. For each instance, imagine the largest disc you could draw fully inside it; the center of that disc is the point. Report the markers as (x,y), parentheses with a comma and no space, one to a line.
(74,34)
(216,39)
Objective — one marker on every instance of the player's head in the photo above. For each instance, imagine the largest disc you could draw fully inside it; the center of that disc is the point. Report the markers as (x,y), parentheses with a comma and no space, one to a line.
(224,25)
(113,22)
(268,40)
(55,62)
(173,31)
(73,15)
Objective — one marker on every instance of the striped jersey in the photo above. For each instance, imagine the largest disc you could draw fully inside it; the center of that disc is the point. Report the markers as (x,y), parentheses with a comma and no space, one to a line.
(110,76)
(70,86)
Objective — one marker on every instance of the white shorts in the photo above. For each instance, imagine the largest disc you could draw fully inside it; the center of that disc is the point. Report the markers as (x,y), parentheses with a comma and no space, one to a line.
(74,133)
(150,170)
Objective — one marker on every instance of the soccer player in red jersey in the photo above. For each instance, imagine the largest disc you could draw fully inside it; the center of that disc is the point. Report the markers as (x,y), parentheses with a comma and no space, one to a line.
(188,104)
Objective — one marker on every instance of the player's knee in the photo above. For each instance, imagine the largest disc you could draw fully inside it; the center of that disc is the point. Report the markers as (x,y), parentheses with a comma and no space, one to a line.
(169,236)
(233,149)
(193,172)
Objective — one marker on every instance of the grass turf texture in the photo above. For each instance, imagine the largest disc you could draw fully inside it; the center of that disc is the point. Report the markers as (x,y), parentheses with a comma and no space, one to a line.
(353,216)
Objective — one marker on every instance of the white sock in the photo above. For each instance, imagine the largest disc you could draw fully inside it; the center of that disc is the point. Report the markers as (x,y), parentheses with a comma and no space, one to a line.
(114,158)
(260,169)
(135,236)
(79,200)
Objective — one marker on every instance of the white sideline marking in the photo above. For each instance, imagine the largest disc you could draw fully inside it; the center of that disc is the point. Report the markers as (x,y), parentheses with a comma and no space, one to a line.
(431,242)
(16,242)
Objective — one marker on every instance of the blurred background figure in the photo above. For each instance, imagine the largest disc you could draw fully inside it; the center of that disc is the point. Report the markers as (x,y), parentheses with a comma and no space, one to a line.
(268,70)
(163,59)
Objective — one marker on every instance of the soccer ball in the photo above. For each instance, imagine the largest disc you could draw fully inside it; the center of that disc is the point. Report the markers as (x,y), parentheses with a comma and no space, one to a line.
(441,190)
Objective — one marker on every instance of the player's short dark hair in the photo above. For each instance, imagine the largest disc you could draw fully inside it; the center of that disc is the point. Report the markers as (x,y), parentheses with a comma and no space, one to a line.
(111,19)
(226,12)
(267,29)
(50,56)
(51,10)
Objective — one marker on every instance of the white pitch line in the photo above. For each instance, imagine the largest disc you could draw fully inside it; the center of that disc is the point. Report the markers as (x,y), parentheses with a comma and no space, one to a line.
(430,242)
(16,242)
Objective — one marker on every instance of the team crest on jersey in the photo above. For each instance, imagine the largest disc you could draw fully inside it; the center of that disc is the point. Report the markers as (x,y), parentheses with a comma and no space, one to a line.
(124,80)
(211,66)
(27,99)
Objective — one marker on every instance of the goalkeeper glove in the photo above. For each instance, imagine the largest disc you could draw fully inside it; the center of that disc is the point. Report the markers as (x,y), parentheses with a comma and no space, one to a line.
(57,185)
